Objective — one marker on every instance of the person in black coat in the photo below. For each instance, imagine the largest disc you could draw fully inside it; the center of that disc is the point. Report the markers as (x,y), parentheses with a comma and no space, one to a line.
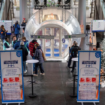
(74,52)
(25,53)
(24,24)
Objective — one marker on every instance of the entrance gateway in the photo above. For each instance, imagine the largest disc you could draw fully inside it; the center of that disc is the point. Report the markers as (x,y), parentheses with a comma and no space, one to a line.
(53,23)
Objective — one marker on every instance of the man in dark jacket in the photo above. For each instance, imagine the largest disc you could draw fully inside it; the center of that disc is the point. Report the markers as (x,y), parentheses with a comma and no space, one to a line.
(25,53)
(74,52)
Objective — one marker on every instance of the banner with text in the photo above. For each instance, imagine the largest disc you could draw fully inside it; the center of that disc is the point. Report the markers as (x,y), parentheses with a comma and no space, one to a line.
(89,65)
(12,85)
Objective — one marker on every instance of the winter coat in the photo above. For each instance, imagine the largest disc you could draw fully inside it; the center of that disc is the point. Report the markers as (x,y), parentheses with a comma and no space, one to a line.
(32,48)
(74,51)
(13,43)
(3,34)
(24,52)
(23,24)
(26,45)
(6,45)
(38,54)
(17,29)
(16,45)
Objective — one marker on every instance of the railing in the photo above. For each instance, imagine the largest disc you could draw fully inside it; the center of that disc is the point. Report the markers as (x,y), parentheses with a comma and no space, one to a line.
(103,7)
(9,9)
(96,13)
(1,2)
(2,9)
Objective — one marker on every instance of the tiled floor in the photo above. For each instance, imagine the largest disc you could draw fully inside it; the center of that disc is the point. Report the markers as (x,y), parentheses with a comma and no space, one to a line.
(54,88)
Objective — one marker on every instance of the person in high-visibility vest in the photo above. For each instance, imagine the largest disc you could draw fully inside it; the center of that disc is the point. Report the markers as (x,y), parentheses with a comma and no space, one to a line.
(6,44)
(26,44)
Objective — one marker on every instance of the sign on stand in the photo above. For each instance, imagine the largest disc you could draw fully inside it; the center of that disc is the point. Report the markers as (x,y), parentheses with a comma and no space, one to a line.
(89,66)
(98,26)
(12,85)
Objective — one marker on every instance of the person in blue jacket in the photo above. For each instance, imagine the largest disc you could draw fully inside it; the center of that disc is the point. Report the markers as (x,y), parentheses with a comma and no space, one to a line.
(6,44)
(17,29)
(3,33)
(13,40)
(16,45)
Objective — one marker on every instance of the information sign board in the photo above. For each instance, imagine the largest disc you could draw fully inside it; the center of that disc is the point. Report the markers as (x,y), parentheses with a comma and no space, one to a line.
(89,65)
(98,25)
(12,85)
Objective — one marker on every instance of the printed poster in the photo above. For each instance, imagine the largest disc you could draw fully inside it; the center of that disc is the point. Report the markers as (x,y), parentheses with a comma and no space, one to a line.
(89,66)
(12,86)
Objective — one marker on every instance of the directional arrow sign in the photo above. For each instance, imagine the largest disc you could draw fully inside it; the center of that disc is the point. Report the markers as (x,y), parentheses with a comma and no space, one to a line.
(74,36)
(42,37)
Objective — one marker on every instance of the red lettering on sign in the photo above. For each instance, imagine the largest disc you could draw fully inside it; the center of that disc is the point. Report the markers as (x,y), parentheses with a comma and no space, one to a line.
(93,79)
(88,80)
(5,80)
(16,79)
(11,79)
(82,80)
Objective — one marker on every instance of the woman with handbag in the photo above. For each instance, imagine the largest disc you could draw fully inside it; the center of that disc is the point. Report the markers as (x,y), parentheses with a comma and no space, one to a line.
(38,55)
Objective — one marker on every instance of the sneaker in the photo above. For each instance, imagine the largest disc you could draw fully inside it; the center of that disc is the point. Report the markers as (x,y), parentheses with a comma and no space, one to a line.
(35,75)
(43,73)
(25,71)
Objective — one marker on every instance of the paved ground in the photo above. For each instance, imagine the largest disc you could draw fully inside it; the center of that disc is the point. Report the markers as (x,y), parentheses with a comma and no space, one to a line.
(54,88)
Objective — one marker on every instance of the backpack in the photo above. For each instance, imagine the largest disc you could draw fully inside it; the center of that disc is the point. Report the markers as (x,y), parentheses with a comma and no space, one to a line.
(74,51)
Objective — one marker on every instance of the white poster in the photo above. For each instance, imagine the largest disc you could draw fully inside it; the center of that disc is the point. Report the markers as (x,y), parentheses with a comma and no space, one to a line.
(11,77)
(89,76)
(7,25)
(98,25)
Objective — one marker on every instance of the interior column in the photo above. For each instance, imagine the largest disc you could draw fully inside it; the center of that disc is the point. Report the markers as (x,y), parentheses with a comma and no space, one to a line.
(23,10)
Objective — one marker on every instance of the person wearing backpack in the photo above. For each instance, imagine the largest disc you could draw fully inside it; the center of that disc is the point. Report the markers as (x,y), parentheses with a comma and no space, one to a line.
(74,52)
(17,29)
(25,43)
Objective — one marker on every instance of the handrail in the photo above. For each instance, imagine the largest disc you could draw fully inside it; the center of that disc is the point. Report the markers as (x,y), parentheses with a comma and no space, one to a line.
(103,7)
(97,14)
(9,8)
(2,9)
(1,4)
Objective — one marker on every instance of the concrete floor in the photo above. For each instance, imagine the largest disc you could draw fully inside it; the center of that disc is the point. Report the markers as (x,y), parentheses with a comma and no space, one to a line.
(54,88)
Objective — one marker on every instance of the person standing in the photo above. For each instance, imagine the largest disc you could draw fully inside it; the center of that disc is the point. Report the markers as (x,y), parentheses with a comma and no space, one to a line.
(74,52)
(6,44)
(32,50)
(25,54)
(24,24)
(3,33)
(38,56)
(13,40)
(17,29)
(70,57)
(25,43)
